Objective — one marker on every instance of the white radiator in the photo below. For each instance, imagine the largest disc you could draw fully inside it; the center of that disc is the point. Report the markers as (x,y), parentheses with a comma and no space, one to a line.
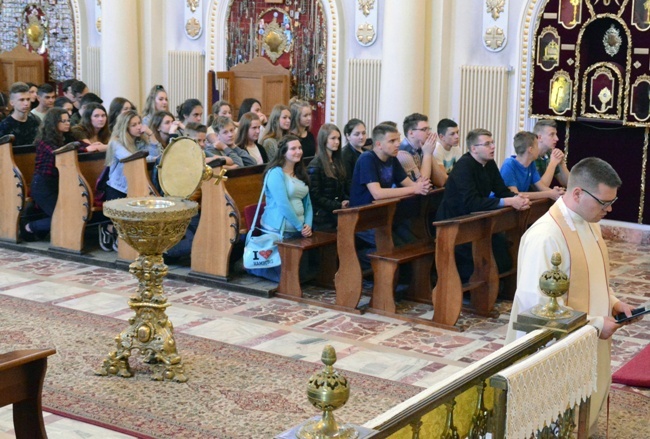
(186,79)
(93,70)
(364,77)
(484,104)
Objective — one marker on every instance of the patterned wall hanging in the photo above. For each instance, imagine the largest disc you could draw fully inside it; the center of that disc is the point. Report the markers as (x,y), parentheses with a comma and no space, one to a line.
(495,25)
(365,22)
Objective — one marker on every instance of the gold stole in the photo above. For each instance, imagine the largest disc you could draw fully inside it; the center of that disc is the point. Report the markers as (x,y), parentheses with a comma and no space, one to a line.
(579,290)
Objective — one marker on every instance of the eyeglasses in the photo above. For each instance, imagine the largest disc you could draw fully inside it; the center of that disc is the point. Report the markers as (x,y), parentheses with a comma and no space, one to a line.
(490,143)
(425,130)
(603,204)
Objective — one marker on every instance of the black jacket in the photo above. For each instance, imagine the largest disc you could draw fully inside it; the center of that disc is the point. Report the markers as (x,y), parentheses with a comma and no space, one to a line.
(326,193)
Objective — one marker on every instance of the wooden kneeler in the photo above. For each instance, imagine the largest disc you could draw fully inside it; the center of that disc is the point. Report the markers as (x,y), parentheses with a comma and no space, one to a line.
(12,191)
(21,384)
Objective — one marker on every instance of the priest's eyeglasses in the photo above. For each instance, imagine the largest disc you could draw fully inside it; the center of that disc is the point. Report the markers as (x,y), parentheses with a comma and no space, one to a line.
(603,204)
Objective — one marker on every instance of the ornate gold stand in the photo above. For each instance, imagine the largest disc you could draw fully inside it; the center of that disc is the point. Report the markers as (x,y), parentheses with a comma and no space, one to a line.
(151,226)
(553,284)
(327,391)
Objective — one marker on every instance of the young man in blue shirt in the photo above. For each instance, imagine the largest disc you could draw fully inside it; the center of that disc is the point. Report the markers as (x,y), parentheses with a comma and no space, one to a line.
(520,173)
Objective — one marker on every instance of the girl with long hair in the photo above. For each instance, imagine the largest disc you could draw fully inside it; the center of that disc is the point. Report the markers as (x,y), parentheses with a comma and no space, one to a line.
(328,189)
(220,108)
(164,127)
(301,116)
(118,106)
(52,134)
(288,205)
(278,126)
(156,101)
(93,131)
(356,136)
(247,137)
(128,137)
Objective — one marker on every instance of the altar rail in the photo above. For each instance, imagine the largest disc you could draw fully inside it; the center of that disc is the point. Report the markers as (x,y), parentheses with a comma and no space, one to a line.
(464,404)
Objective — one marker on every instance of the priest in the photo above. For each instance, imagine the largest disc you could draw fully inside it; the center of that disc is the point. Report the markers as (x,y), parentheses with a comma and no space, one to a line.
(571,228)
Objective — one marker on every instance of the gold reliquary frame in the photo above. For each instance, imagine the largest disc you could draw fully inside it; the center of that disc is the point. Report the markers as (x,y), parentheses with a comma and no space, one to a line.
(548,48)
(569,13)
(561,86)
(640,99)
(275,42)
(602,92)
(641,14)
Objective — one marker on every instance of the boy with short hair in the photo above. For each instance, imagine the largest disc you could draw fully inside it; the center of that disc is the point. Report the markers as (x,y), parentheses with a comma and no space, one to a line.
(21,122)
(45,96)
(224,144)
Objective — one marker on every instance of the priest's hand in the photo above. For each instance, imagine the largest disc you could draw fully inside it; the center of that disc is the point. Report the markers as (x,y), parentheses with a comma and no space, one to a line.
(622,307)
(609,328)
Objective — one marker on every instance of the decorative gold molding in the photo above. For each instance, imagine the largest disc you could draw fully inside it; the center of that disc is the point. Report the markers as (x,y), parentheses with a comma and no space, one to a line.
(550,51)
(577,13)
(644,161)
(274,41)
(193,5)
(612,41)
(525,105)
(365,6)
(644,5)
(639,80)
(193,27)
(567,133)
(559,99)
(607,69)
(495,7)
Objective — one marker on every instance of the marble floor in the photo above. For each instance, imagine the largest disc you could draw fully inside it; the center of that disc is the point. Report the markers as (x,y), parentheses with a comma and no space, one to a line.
(370,344)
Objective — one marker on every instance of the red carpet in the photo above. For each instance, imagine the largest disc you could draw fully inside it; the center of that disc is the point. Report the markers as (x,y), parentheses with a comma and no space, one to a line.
(636,372)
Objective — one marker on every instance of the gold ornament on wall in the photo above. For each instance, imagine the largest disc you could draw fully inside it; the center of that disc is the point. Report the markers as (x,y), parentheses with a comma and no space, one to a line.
(193,27)
(35,32)
(365,33)
(98,25)
(193,5)
(495,7)
(559,100)
(365,6)
(548,48)
(612,41)
(274,40)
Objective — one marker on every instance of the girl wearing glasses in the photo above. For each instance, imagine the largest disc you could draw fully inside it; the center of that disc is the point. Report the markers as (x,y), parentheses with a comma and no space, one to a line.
(52,134)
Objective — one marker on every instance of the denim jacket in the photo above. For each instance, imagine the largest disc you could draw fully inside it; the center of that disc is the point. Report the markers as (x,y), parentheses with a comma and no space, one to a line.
(116,177)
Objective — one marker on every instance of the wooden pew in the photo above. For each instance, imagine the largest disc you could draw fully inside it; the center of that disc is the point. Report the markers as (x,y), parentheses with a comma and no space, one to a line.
(12,191)
(21,384)
(349,277)
(483,285)
(219,226)
(75,205)
(139,184)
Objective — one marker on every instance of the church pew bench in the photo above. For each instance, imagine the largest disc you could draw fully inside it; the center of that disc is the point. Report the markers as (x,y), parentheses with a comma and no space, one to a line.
(223,199)
(136,171)
(349,277)
(12,191)
(21,384)
(75,205)
(291,252)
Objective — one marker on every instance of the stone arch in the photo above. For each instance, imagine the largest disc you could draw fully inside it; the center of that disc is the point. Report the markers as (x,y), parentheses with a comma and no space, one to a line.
(76,14)
(216,47)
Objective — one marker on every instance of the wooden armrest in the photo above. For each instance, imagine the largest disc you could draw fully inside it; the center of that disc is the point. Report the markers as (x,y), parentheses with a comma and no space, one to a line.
(18,358)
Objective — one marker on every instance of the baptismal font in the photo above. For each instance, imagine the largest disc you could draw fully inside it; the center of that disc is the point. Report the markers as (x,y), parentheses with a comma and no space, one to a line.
(152,225)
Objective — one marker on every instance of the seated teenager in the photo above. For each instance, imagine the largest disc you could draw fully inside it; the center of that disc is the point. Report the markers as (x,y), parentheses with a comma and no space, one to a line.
(190,111)
(84,101)
(416,150)
(21,122)
(156,101)
(164,127)
(33,95)
(45,183)
(45,96)
(327,187)
(278,127)
(252,105)
(356,136)
(65,103)
(224,144)
(378,175)
(288,206)
(247,136)
(301,116)
(128,137)
(118,106)
(93,131)
(520,173)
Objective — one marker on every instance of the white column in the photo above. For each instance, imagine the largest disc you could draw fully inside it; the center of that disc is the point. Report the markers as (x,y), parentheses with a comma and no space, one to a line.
(120,61)
(402,67)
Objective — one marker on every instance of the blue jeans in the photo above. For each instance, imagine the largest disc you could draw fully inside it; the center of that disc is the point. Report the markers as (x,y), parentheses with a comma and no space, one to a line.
(44,192)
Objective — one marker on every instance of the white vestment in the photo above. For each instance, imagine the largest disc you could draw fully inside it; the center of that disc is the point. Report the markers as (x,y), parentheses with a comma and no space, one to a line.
(538,244)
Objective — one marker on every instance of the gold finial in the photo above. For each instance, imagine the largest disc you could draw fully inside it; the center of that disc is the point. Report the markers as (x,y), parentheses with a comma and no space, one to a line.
(553,283)
(327,390)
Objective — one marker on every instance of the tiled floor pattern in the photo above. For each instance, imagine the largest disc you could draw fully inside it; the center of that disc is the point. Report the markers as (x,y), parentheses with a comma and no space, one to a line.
(368,344)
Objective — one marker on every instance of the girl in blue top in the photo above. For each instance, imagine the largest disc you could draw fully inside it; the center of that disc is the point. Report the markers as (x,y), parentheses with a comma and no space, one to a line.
(287,198)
